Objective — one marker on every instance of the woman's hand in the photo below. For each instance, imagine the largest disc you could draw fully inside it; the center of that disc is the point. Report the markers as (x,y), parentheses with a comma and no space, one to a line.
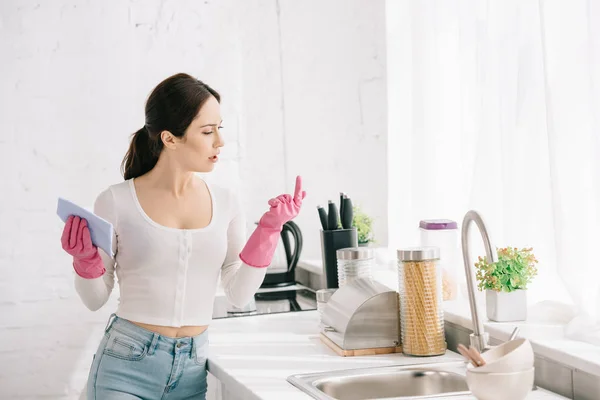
(76,239)
(283,208)
(77,242)
(261,245)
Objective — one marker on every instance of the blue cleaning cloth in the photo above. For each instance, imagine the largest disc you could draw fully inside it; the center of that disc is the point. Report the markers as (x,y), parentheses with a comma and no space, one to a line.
(101,230)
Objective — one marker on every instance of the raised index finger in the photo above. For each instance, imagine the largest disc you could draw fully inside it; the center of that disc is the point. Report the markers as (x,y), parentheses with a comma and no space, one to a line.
(298,189)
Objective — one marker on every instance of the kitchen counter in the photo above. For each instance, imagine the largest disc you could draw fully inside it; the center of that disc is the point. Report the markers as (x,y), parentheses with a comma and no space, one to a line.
(253,356)
(545,325)
(567,366)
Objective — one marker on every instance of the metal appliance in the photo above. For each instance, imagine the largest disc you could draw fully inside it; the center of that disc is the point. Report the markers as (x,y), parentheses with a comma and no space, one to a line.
(363,314)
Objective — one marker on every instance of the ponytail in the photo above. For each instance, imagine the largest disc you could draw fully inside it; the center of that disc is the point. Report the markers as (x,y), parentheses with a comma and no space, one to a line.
(141,156)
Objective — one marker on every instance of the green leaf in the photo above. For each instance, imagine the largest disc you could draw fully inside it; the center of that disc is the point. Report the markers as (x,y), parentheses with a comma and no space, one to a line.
(363,224)
(514,270)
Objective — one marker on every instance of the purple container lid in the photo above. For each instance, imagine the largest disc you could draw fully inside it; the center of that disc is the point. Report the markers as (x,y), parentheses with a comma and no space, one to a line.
(438,224)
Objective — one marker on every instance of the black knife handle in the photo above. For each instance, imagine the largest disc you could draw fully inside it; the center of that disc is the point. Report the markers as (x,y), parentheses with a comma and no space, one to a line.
(332,216)
(323,217)
(341,205)
(348,214)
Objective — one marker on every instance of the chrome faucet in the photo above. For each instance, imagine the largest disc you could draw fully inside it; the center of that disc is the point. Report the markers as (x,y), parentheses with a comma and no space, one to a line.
(479,339)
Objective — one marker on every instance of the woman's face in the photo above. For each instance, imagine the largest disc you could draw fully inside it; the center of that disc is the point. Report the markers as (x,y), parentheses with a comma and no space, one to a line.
(199,148)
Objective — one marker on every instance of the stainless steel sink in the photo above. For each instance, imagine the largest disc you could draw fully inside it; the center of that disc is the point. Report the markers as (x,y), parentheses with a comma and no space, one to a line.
(421,381)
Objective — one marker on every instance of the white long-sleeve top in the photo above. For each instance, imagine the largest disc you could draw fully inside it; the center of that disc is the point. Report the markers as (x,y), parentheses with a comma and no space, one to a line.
(168,276)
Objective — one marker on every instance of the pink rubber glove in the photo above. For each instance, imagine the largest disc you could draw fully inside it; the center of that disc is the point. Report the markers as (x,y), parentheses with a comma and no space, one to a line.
(261,245)
(76,241)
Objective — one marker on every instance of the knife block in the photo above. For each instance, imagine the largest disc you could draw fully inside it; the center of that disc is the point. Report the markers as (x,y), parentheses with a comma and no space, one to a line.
(331,241)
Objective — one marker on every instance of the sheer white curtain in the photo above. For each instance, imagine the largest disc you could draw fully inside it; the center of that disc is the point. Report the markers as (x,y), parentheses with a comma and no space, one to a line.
(495,106)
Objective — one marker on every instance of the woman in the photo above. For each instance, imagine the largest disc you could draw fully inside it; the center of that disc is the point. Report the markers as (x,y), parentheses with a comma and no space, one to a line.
(173,235)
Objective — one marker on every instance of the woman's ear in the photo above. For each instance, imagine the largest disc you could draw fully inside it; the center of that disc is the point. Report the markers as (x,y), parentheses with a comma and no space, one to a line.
(169,140)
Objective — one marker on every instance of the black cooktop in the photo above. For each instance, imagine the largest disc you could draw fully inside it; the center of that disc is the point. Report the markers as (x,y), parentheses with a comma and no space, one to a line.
(269,301)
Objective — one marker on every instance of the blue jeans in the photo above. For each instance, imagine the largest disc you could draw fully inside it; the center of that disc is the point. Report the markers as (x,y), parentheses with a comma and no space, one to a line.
(135,363)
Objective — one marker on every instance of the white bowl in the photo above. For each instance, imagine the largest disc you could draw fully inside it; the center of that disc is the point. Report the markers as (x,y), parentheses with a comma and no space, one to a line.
(501,386)
(514,355)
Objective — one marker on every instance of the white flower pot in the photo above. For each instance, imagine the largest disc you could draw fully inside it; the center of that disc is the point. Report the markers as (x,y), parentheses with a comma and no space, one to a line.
(505,307)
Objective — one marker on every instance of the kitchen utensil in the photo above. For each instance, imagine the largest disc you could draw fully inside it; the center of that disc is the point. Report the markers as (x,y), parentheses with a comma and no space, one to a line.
(347,215)
(476,356)
(276,277)
(511,356)
(341,204)
(323,217)
(467,354)
(332,216)
(500,386)
(331,241)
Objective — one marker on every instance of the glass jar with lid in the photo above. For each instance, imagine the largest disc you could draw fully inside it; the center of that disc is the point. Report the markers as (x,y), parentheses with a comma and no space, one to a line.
(443,233)
(323,296)
(420,295)
(354,263)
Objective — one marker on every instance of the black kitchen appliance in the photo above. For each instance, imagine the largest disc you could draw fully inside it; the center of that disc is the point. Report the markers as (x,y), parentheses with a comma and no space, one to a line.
(291,238)
(274,300)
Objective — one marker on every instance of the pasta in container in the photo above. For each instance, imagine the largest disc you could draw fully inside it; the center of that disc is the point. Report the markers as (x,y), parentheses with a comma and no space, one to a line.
(420,297)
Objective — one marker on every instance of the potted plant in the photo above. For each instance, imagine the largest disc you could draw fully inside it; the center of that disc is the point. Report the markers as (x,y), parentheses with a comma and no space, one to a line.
(505,283)
(363,224)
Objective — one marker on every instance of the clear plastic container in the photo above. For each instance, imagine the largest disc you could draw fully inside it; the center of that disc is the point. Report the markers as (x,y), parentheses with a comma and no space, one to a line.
(354,263)
(421,308)
(443,234)
(323,296)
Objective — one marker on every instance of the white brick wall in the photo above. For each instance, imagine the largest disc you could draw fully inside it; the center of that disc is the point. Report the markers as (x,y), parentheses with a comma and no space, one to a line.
(304,92)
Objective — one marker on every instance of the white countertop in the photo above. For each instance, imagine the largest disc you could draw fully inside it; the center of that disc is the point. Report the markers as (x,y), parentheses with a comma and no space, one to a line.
(545,325)
(253,356)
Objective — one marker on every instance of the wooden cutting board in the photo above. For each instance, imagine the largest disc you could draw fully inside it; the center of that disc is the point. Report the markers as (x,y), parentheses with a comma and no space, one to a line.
(358,352)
